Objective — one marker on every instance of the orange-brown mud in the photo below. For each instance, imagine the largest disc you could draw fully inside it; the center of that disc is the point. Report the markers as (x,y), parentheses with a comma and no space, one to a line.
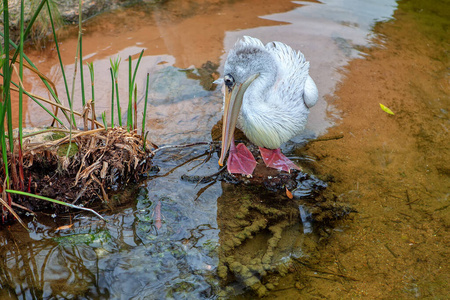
(393,169)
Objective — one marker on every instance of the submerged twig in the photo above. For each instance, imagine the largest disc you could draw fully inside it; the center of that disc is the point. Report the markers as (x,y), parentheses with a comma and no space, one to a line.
(23,208)
(9,208)
(327,138)
(204,178)
(183,146)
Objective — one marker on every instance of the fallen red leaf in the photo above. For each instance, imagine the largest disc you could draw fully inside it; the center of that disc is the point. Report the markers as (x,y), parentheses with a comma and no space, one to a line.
(289,194)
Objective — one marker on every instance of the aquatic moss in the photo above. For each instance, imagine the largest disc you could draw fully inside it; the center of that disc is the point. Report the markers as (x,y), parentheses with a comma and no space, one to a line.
(236,267)
(74,239)
(248,231)
(269,211)
(62,150)
(57,135)
(282,269)
(273,241)
(222,271)
(260,289)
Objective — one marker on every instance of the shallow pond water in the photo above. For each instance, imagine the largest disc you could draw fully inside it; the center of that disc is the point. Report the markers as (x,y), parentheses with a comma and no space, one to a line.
(172,238)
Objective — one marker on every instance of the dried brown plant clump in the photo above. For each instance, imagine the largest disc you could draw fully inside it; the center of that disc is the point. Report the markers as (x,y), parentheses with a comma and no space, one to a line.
(98,161)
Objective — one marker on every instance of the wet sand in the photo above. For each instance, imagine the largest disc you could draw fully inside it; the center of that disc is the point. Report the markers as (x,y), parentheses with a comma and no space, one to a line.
(393,169)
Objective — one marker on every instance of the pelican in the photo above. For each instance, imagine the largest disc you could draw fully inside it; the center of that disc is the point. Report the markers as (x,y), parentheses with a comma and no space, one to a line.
(267,94)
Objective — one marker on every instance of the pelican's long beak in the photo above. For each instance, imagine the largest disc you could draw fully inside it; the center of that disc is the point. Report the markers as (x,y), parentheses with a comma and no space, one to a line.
(233,103)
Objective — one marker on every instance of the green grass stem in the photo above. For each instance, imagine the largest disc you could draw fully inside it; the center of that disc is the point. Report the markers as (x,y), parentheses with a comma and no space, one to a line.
(5,88)
(112,95)
(104,120)
(44,80)
(21,71)
(130,96)
(91,72)
(144,116)
(29,26)
(72,119)
(38,103)
(54,201)
(80,39)
(116,84)
(135,107)
(69,99)
(131,87)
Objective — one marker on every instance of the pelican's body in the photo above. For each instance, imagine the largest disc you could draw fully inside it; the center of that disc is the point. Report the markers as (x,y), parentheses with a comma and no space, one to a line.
(268,93)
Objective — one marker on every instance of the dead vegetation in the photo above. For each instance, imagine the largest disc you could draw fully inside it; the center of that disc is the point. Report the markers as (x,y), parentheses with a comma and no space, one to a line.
(99,160)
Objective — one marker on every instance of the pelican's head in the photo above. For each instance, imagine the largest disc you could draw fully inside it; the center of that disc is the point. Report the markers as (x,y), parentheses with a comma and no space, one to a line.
(248,63)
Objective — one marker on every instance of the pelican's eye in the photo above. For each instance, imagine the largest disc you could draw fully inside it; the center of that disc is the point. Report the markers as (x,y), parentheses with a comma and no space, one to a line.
(229,80)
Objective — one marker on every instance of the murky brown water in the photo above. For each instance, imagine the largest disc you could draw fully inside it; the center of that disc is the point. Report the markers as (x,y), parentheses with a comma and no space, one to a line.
(394,170)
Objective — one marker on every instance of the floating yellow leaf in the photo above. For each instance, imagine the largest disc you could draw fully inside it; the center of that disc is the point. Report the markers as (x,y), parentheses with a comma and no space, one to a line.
(386,109)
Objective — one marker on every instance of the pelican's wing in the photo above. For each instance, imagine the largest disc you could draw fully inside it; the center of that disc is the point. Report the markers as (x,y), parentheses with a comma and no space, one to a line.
(292,70)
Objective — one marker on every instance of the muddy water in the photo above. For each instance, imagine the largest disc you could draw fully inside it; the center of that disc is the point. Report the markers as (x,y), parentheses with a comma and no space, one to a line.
(173,239)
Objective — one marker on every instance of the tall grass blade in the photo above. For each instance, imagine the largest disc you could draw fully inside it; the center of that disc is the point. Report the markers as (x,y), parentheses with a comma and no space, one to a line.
(112,95)
(72,119)
(26,33)
(54,201)
(104,120)
(115,75)
(21,71)
(145,105)
(91,72)
(33,97)
(130,96)
(80,39)
(50,86)
(37,11)
(5,88)
(131,86)
(137,66)
(69,99)
(7,70)
(135,108)
(116,83)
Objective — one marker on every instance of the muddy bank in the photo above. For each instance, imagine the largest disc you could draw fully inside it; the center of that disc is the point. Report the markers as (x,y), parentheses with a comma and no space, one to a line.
(393,169)
(79,169)
(66,10)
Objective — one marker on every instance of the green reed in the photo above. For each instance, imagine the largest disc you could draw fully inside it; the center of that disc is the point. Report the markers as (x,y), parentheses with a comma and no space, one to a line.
(5,91)
(131,86)
(12,54)
(144,116)
(115,78)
